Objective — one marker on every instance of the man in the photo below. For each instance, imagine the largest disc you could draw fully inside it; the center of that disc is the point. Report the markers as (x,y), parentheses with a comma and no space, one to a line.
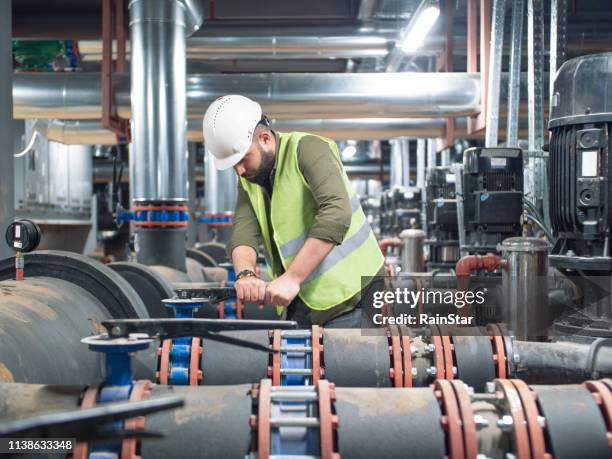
(294,195)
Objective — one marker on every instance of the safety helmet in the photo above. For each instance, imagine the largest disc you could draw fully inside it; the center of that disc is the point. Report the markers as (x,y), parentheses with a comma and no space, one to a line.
(229,124)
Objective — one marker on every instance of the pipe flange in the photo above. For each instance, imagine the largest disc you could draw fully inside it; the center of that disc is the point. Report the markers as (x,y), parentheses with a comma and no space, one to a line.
(163,352)
(451,418)
(519,425)
(195,361)
(395,354)
(328,420)
(603,398)
(129,446)
(531,411)
(470,440)
(407,361)
(264,398)
(500,358)
(317,354)
(140,391)
(88,400)
(161,216)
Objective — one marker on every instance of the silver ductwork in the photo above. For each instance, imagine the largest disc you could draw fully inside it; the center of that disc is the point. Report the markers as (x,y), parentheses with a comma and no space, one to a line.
(269,47)
(283,96)
(158,154)
(91,132)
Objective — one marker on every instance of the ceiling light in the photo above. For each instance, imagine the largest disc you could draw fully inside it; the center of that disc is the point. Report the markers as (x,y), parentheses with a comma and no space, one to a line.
(419,26)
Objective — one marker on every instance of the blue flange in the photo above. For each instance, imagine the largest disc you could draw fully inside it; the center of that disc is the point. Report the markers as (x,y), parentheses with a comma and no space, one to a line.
(180,350)
(118,381)
(230,305)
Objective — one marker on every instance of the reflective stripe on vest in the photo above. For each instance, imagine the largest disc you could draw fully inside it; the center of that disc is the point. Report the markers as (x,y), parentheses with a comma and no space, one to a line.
(291,248)
(343,250)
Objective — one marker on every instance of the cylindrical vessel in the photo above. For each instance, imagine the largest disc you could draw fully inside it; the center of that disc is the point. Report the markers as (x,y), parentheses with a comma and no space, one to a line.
(413,260)
(158,159)
(525,285)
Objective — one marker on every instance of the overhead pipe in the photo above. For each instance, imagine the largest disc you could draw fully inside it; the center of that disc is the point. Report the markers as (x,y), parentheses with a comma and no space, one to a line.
(158,156)
(283,96)
(91,132)
(269,47)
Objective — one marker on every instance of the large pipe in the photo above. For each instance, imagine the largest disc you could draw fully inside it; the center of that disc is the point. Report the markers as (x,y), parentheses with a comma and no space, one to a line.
(91,132)
(63,298)
(158,72)
(240,421)
(269,47)
(287,96)
(158,159)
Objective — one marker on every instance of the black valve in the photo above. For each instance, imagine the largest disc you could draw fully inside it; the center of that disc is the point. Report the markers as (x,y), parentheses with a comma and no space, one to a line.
(23,235)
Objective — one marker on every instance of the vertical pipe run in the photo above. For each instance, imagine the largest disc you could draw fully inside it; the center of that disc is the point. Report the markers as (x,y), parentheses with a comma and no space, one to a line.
(158,80)
(558,37)
(493,87)
(7,185)
(158,160)
(413,260)
(536,177)
(395,170)
(514,83)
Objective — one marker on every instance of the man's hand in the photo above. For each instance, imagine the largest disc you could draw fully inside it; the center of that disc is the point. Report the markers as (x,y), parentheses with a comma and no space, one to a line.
(282,290)
(250,290)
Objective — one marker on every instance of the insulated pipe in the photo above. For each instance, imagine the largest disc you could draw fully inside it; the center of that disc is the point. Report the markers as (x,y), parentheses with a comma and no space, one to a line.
(269,47)
(91,132)
(511,419)
(42,320)
(287,96)
(158,155)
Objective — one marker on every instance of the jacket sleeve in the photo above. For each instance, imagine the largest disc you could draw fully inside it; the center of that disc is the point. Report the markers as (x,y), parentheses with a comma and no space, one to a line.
(323,172)
(246,228)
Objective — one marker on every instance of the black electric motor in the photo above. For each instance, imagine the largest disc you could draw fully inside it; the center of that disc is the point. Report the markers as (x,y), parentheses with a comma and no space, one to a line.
(492,196)
(400,208)
(580,172)
(442,218)
(580,191)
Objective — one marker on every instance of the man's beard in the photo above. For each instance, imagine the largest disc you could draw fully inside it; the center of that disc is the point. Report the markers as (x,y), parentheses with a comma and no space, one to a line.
(263,172)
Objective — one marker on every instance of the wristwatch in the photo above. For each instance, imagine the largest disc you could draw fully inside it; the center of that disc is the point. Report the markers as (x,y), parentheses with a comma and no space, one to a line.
(245,273)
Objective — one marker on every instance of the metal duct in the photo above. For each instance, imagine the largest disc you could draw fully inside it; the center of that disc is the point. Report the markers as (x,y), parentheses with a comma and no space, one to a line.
(220,187)
(158,71)
(284,96)
(269,47)
(91,132)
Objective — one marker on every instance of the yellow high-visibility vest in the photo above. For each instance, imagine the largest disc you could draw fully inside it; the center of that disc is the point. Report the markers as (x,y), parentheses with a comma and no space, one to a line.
(292,212)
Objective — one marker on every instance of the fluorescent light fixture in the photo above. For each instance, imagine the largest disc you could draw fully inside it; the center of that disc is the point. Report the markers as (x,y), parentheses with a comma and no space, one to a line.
(419,26)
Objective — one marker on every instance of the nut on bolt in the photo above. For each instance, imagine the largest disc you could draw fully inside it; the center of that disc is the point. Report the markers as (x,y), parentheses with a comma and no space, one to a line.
(432,371)
(490,387)
(506,423)
(430,348)
(480,422)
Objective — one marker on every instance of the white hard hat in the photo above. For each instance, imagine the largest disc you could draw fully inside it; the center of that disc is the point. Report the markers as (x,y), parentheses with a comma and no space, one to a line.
(229,124)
